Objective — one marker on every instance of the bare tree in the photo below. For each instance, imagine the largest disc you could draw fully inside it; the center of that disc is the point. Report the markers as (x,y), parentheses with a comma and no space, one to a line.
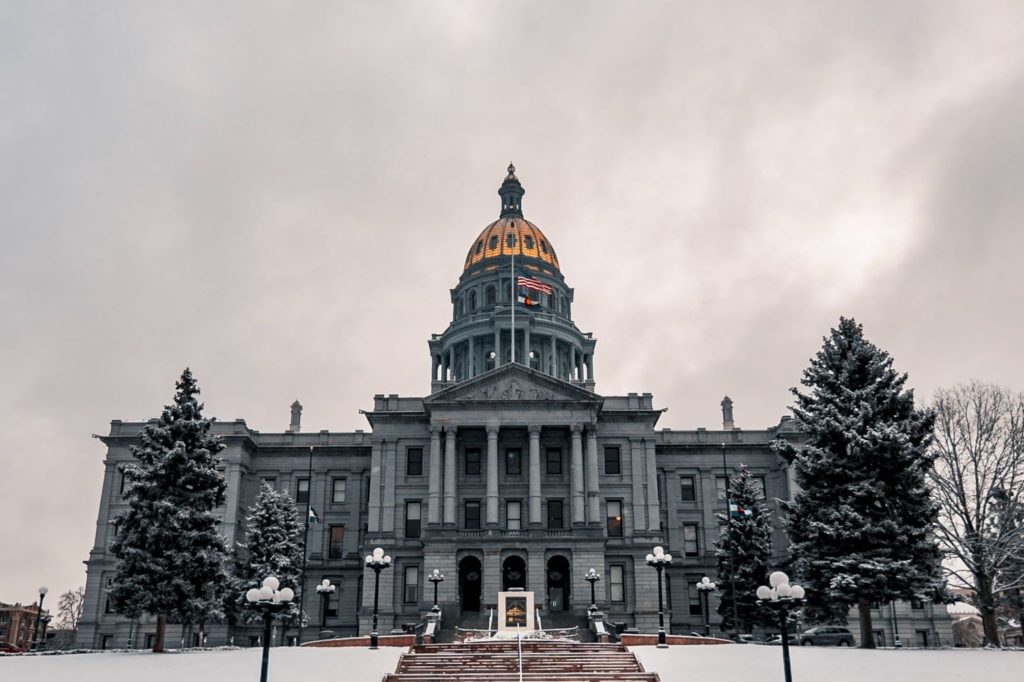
(978,480)
(69,612)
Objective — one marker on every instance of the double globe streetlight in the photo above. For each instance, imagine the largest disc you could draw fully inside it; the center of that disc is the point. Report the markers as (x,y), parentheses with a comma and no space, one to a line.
(782,597)
(325,589)
(705,587)
(592,577)
(659,561)
(376,562)
(435,577)
(268,600)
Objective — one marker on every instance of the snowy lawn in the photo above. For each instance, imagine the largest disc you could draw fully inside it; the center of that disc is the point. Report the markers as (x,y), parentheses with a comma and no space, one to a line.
(677,664)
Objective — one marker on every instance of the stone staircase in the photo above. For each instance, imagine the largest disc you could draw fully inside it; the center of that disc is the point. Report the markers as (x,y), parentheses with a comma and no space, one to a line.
(499,661)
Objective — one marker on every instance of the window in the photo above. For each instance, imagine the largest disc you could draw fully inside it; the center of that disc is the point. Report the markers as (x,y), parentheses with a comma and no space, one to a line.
(513,462)
(612,461)
(120,490)
(917,605)
(492,243)
(554,461)
(758,482)
(614,518)
(302,491)
(107,606)
(338,490)
(555,514)
(490,296)
(617,583)
(414,462)
(922,638)
(721,483)
(514,514)
(412,519)
(411,585)
(472,299)
(270,482)
(695,601)
(543,246)
(473,514)
(337,538)
(688,488)
(690,546)
(473,462)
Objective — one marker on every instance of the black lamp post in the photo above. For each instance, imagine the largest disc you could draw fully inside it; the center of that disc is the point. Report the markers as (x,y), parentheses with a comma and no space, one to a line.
(782,597)
(659,560)
(377,562)
(268,600)
(325,589)
(435,577)
(35,632)
(592,577)
(45,619)
(706,587)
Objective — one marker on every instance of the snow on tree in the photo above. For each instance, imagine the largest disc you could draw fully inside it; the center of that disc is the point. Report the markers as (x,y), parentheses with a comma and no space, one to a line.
(743,550)
(170,557)
(273,546)
(862,521)
(979,483)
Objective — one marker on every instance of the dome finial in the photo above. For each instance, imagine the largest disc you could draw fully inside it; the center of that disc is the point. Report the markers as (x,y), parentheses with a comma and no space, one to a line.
(511,170)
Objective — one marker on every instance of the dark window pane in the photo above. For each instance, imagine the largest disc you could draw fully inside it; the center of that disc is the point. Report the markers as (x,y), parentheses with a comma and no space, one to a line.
(473,515)
(688,489)
(612,461)
(302,491)
(412,519)
(614,519)
(472,462)
(554,461)
(338,490)
(414,462)
(337,537)
(555,518)
(513,462)
(690,545)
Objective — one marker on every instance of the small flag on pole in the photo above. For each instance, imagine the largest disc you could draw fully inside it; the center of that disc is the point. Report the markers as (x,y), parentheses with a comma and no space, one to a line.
(736,511)
(313,518)
(527,301)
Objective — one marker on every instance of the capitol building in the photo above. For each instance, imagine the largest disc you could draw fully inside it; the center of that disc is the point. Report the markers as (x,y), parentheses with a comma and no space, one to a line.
(513,469)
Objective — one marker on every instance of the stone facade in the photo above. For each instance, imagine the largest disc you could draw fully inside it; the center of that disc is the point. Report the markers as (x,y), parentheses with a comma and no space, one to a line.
(513,472)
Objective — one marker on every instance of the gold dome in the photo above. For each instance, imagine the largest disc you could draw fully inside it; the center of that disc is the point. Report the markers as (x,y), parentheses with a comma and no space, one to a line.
(508,235)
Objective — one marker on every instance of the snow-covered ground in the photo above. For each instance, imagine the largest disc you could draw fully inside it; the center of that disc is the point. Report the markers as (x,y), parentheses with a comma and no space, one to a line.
(677,664)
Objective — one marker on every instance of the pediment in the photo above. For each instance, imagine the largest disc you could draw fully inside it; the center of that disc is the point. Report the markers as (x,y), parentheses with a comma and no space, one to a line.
(513,383)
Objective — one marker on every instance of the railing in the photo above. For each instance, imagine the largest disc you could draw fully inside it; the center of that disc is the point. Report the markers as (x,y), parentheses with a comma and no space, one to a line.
(540,626)
(490,620)
(519,644)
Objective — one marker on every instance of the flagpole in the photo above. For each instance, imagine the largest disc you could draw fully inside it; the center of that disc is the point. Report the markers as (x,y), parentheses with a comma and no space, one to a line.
(514,288)
(305,539)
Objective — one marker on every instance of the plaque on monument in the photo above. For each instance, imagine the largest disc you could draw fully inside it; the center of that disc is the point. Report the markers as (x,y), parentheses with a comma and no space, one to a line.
(515,610)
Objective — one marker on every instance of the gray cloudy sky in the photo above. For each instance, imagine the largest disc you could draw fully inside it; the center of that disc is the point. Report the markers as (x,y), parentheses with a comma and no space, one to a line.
(281,194)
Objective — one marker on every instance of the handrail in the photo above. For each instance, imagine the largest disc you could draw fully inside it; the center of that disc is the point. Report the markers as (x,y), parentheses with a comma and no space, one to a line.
(490,621)
(540,626)
(519,640)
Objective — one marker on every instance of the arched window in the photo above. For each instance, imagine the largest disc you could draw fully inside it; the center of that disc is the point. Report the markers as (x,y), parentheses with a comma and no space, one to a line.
(528,240)
(510,240)
(472,300)
(493,243)
(490,296)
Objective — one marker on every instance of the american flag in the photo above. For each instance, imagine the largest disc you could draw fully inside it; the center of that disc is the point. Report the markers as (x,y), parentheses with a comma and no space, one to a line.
(533,283)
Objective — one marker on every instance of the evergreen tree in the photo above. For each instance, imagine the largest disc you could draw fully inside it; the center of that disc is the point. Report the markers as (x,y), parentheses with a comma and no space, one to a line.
(861,523)
(743,550)
(170,557)
(273,546)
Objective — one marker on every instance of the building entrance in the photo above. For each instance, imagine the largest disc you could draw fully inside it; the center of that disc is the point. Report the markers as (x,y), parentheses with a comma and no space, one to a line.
(558,583)
(469,583)
(513,573)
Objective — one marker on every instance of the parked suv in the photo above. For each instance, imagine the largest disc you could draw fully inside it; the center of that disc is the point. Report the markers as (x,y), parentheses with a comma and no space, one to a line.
(826,635)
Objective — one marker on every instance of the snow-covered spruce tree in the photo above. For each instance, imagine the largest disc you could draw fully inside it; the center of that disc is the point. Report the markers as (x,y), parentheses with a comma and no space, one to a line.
(861,523)
(273,547)
(743,550)
(170,557)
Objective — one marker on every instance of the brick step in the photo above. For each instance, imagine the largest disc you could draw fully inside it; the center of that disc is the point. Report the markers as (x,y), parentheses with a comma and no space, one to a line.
(526,677)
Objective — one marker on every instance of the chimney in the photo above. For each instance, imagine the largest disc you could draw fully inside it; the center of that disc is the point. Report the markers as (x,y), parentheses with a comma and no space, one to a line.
(296,417)
(727,422)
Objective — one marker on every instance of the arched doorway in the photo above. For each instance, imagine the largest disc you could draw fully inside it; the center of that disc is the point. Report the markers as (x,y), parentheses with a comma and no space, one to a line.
(469,583)
(513,573)
(559,580)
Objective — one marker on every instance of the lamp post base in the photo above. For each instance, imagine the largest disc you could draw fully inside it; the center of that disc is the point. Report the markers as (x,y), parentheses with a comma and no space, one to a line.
(373,640)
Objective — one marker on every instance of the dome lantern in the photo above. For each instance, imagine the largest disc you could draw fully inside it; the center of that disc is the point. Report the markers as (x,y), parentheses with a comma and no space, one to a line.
(511,193)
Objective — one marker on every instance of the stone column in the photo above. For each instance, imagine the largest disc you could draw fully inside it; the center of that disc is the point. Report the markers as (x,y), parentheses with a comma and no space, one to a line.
(526,346)
(497,348)
(590,366)
(578,505)
(471,364)
(593,479)
(653,507)
(492,475)
(434,477)
(373,521)
(387,506)
(553,360)
(535,518)
(451,363)
(449,475)
(636,471)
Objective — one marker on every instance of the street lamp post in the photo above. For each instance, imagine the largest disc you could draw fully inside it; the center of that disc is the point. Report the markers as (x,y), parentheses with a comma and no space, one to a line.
(45,619)
(35,632)
(706,587)
(592,577)
(782,597)
(377,562)
(659,561)
(268,600)
(435,577)
(325,589)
